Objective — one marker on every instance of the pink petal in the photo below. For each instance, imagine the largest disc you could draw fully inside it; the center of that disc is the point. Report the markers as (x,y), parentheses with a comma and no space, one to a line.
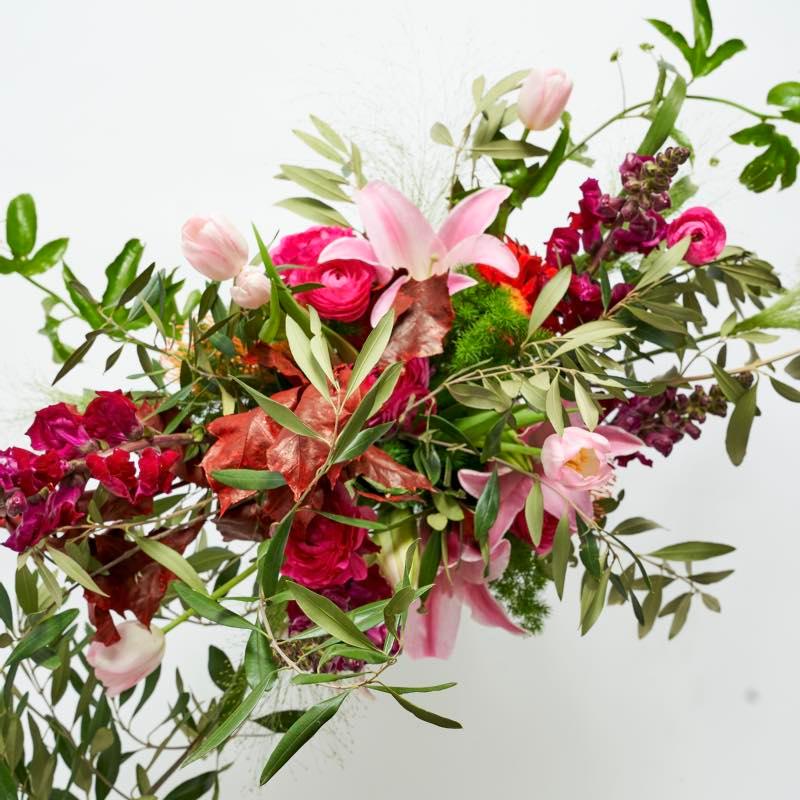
(514,488)
(399,233)
(560,500)
(348,248)
(386,300)
(485,609)
(480,249)
(433,633)
(473,215)
(622,443)
(472,569)
(456,282)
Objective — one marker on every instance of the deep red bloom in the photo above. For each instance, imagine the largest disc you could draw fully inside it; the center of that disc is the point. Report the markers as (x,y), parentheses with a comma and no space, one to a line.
(519,527)
(117,472)
(111,416)
(40,518)
(58,427)
(21,469)
(562,245)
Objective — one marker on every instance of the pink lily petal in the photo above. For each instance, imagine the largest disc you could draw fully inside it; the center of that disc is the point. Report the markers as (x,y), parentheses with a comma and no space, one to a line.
(514,488)
(401,237)
(457,282)
(433,633)
(559,500)
(386,300)
(471,568)
(350,248)
(480,249)
(485,609)
(621,442)
(473,215)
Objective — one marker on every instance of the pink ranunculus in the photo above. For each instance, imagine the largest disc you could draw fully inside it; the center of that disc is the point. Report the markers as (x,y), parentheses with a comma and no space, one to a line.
(251,288)
(413,384)
(214,247)
(304,249)
(345,292)
(400,238)
(543,97)
(707,232)
(122,665)
(111,416)
(321,552)
(58,427)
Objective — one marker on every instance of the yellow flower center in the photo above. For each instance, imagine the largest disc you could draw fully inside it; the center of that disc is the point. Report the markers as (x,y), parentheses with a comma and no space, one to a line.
(585,462)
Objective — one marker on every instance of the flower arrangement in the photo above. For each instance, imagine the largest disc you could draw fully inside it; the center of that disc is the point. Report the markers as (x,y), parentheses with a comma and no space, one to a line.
(388,420)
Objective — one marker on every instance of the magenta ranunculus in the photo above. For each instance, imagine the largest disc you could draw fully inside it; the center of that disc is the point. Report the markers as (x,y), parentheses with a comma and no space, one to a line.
(347,288)
(58,427)
(413,384)
(707,232)
(111,416)
(303,249)
(321,552)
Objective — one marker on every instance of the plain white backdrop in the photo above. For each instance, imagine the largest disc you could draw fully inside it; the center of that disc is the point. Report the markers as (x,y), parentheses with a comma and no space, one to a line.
(124,119)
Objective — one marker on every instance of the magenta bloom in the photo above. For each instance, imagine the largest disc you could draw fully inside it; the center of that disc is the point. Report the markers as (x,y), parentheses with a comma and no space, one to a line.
(38,519)
(643,234)
(29,472)
(111,417)
(413,384)
(707,232)
(58,427)
(118,472)
(400,238)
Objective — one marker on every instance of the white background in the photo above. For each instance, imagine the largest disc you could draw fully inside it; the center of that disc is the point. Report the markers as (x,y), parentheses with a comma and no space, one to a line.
(124,119)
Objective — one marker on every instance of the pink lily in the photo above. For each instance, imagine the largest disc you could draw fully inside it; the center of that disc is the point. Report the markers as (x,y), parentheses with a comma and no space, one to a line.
(432,634)
(399,237)
(572,467)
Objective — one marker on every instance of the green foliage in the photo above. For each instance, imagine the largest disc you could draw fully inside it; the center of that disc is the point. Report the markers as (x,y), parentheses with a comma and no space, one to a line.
(520,588)
(486,326)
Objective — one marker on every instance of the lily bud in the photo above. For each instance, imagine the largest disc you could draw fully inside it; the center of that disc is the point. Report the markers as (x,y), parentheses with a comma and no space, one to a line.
(214,247)
(251,288)
(123,664)
(542,98)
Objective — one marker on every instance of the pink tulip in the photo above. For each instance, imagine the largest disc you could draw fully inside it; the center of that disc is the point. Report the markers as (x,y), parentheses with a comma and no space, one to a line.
(707,232)
(251,288)
(123,664)
(542,98)
(400,238)
(214,247)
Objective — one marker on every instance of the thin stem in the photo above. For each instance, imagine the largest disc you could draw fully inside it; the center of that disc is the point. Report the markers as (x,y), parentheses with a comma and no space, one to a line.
(732,104)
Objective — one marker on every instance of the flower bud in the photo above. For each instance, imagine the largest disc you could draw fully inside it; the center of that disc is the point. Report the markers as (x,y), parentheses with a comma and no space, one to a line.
(214,247)
(542,98)
(251,288)
(123,664)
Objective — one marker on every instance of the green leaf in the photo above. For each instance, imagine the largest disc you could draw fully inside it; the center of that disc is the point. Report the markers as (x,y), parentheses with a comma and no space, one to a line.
(681,612)
(319,146)
(25,585)
(397,606)
(675,37)
(362,441)
(258,480)
(534,512)
(8,786)
(325,613)
(46,257)
(280,721)
(371,352)
(233,721)
(121,272)
(74,358)
(220,668)
(42,635)
(356,522)
(634,525)
(786,95)
(315,210)
(194,788)
(82,298)
(284,416)
(560,554)
(785,391)
(21,225)
(549,297)
(596,606)
(507,149)
(692,551)
(209,608)
(378,687)
(546,173)
(554,407)
(725,51)
(793,368)
(301,732)
(270,554)
(259,661)
(423,714)
(329,134)
(661,262)
(664,120)
(74,570)
(315,182)
(731,388)
(703,27)
(587,406)
(706,578)
(300,345)
(173,561)
(6,614)
(486,513)
(441,135)
(739,426)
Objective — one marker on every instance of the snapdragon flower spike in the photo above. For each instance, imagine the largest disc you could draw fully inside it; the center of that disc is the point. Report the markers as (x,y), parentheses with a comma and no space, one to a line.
(400,238)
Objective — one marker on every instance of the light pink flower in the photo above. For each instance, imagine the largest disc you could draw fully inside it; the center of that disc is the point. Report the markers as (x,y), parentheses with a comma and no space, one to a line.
(400,238)
(122,665)
(543,97)
(707,232)
(251,288)
(214,247)
(432,633)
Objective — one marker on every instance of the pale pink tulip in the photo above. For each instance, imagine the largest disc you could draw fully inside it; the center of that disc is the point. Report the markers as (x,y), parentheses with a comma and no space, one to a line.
(251,288)
(122,665)
(400,238)
(214,247)
(543,97)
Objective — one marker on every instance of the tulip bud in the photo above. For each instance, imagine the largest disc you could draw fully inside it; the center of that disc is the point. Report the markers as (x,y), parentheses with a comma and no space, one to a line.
(251,288)
(542,98)
(124,663)
(214,247)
